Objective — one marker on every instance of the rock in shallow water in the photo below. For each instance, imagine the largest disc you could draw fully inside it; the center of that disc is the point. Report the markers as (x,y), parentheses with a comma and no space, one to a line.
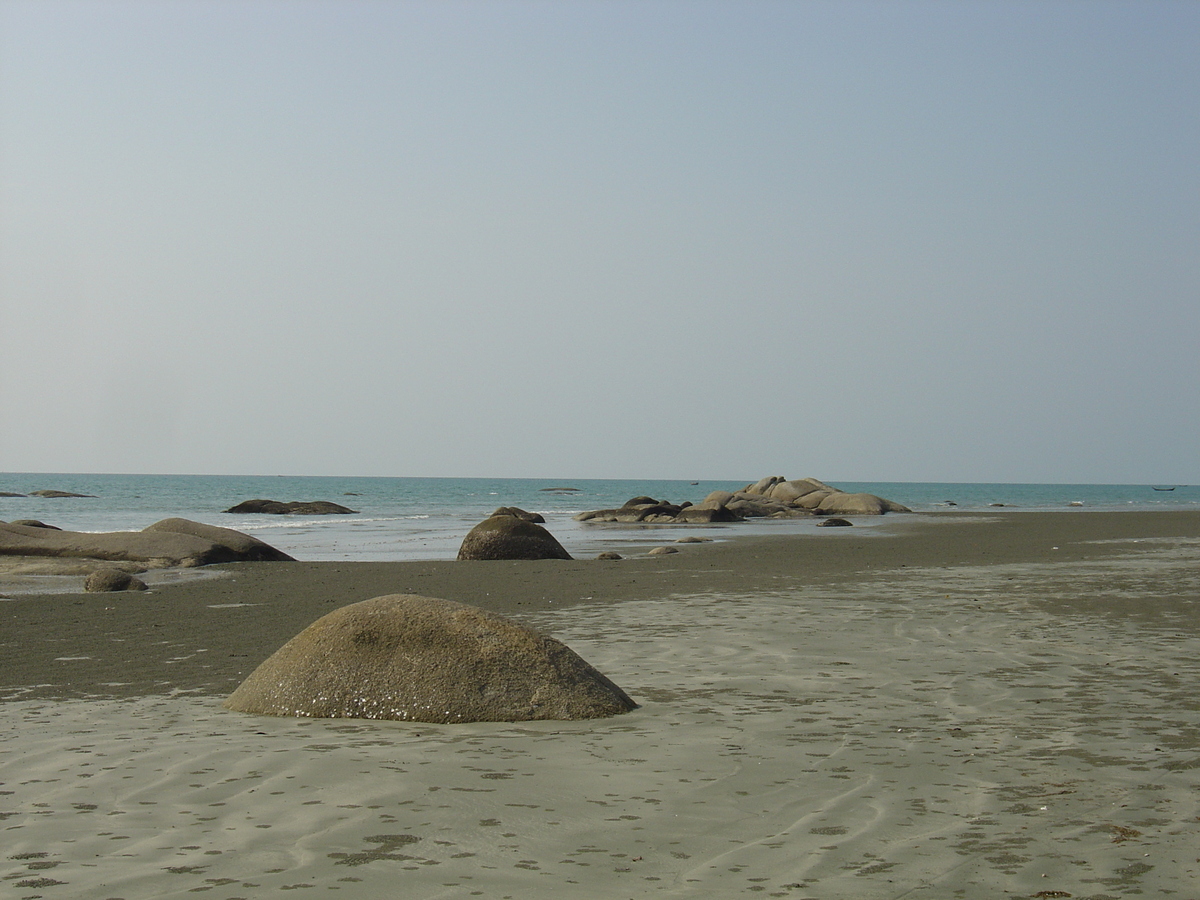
(292,508)
(772,497)
(423,659)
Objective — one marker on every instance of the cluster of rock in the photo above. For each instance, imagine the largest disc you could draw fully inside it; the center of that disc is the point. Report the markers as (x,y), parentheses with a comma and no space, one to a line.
(414,658)
(775,496)
(648,511)
(772,497)
(292,508)
(511,533)
(423,659)
(171,543)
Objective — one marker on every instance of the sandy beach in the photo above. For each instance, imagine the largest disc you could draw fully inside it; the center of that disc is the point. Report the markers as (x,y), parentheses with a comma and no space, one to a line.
(938,706)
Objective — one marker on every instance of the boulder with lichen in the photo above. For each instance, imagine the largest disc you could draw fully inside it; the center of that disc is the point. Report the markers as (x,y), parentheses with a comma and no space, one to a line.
(424,659)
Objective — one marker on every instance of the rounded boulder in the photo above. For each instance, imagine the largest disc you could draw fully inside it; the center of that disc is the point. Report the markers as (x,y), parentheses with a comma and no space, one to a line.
(510,537)
(423,659)
(106,580)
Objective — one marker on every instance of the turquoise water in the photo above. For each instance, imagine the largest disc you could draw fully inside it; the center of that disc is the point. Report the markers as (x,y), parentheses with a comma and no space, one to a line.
(426,518)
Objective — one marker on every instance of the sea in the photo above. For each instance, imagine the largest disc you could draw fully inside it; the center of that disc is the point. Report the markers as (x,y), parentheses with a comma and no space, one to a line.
(427,518)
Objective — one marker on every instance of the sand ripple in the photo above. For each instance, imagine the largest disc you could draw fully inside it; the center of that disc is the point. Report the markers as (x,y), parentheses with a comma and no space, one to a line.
(1024,731)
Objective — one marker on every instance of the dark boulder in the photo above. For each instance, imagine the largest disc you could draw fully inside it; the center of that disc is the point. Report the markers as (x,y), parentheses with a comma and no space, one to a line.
(156,547)
(247,548)
(423,659)
(510,537)
(106,580)
(835,522)
(292,508)
(772,497)
(520,514)
(58,494)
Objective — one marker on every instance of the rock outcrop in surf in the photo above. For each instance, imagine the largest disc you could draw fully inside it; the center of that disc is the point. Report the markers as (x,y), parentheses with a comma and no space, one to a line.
(292,508)
(771,497)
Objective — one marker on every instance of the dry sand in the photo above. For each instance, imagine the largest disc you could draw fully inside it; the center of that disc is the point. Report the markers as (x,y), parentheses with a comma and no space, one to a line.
(948,706)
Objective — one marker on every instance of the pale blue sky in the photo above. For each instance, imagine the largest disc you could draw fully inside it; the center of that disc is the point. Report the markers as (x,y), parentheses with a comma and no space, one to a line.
(932,241)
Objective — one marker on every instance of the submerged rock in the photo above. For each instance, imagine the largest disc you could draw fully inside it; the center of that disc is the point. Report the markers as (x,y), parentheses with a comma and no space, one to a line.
(423,659)
(292,508)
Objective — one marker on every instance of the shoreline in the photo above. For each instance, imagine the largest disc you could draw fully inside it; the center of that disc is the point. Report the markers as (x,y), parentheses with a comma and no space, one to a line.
(950,707)
(205,633)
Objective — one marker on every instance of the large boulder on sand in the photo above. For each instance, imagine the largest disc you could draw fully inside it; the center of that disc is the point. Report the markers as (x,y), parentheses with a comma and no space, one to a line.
(510,537)
(248,549)
(422,659)
(105,580)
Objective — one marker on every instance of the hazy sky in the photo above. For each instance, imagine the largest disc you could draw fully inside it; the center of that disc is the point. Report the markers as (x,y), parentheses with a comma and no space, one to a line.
(931,241)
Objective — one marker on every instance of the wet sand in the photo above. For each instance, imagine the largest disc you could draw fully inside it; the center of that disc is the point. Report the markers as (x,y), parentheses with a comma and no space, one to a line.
(939,706)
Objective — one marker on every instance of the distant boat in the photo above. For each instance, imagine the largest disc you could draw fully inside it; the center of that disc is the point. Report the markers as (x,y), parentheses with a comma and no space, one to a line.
(1164,489)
